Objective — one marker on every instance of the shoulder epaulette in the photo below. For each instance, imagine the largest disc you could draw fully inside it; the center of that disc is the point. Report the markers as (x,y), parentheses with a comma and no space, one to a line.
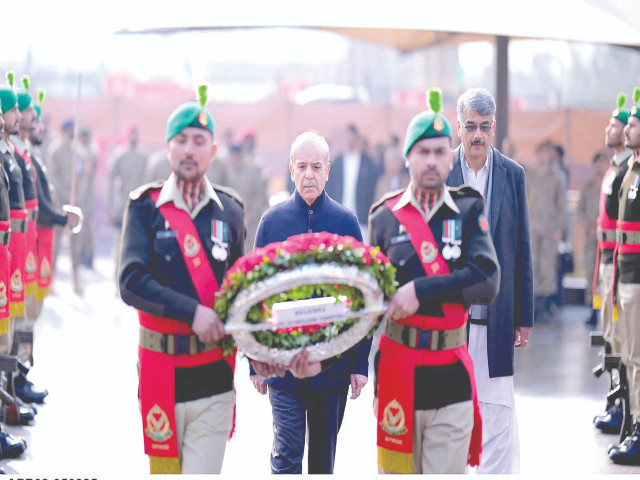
(386,197)
(230,192)
(138,192)
(464,191)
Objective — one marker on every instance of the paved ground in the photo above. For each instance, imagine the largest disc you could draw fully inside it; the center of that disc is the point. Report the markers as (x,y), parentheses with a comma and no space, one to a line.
(90,426)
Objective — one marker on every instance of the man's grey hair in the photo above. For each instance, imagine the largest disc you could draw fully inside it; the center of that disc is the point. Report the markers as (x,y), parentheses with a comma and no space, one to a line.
(478,99)
(309,137)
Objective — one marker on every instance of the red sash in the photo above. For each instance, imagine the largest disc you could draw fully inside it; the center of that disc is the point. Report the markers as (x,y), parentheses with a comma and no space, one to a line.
(5,312)
(31,259)
(44,272)
(398,362)
(157,370)
(31,262)
(17,249)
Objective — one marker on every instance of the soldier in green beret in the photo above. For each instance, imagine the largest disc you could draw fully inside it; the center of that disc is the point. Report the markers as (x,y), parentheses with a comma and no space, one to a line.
(438,239)
(626,289)
(23,337)
(611,420)
(13,446)
(179,238)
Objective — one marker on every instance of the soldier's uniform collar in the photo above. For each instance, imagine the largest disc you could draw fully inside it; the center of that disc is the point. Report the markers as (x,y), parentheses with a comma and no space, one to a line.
(445,199)
(171,193)
(20,144)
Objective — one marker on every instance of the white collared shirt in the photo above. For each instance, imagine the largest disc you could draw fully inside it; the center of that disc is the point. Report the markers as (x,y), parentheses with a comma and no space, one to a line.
(477,181)
(350,179)
(171,193)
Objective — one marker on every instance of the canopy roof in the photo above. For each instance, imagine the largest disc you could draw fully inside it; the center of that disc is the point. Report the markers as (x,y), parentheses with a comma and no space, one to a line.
(411,24)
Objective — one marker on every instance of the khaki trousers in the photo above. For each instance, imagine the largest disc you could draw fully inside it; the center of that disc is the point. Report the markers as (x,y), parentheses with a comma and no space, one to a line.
(613,332)
(629,300)
(203,427)
(441,439)
(6,339)
(544,250)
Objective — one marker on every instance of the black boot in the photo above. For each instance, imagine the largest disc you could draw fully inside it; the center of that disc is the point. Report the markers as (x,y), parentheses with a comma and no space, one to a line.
(611,420)
(10,446)
(627,423)
(26,390)
(628,452)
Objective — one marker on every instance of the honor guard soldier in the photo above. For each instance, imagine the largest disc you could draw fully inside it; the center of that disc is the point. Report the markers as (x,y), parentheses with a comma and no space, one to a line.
(48,214)
(627,283)
(23,336)
(13,291)
(438,239)
(179,238)
(611,420)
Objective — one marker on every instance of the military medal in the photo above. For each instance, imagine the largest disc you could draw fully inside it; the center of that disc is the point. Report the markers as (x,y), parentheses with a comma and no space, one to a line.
(220,238)
(452,238)
(633,189)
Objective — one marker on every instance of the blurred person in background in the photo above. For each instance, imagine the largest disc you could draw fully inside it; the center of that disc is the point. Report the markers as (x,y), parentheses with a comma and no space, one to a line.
(354,177)
(88,153)
(588,210)
(395,174)
(245,178)
(59,164)
(558,165)
(546,197)
(125,175)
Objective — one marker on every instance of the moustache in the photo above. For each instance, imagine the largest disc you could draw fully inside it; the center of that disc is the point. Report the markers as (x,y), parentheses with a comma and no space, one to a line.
(477,142)
(308,183)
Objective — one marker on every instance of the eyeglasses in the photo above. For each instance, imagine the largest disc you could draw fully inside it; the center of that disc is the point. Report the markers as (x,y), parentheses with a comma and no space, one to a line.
(472,127)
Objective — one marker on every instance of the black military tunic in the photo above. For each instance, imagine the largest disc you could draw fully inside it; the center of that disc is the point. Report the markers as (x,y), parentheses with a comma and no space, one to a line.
(628,270)
(474,279)
(48,215)
(154,277)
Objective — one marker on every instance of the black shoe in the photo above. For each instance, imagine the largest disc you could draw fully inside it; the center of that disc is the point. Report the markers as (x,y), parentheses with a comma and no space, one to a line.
(593,318)
(611,420)
(628,452)
(27,392)
(10,446)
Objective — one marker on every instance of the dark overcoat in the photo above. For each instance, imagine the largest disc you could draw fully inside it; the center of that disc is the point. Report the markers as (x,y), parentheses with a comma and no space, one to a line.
(509,218)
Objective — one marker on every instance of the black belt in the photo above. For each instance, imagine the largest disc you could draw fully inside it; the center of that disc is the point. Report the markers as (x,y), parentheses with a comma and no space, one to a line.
(478,321)
(5,236)
(425,339)
(173,344)
(32,214)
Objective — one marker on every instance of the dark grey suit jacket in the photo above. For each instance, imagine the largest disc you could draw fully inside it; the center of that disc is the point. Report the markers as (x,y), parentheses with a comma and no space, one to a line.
(365,186)
(509,218)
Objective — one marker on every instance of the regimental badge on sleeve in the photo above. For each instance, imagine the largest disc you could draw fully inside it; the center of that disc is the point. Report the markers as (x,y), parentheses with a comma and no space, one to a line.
(483,224)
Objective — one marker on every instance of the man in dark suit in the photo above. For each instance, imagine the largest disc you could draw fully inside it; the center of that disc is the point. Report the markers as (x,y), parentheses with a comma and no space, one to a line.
(354,177)
(507,322)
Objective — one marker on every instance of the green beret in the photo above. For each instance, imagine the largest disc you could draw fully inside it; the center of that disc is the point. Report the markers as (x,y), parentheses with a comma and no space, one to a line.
(190,114)
(24,98)
(621,113)
(8,98)
(428,124)
(635,112)
(38,105)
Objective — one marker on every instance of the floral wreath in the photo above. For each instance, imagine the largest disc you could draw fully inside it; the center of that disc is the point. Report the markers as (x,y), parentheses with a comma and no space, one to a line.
(298,251)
